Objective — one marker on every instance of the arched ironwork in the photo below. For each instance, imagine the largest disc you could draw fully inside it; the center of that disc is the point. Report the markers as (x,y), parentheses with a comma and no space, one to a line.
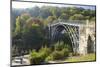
(73,32)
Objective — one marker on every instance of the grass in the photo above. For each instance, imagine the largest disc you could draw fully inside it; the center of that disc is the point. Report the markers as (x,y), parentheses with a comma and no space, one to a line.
(88,57)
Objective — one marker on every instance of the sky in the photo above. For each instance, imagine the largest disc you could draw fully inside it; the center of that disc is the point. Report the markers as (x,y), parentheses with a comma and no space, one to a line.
(16,4)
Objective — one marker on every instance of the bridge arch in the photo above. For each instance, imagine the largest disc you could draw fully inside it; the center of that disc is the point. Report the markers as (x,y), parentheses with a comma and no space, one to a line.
(71,33)
(91,43)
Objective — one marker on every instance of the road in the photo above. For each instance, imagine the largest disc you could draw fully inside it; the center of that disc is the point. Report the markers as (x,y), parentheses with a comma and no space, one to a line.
(21,60)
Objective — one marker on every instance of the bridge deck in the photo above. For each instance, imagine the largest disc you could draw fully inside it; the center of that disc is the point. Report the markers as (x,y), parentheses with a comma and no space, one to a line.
(67,23)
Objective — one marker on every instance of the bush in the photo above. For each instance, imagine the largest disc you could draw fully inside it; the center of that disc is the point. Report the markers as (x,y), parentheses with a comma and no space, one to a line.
(35,58)
(60,51)
(44,52)
(56,55)
(59,46)
(33,53)
(38,57)
(49,58)
(65,52)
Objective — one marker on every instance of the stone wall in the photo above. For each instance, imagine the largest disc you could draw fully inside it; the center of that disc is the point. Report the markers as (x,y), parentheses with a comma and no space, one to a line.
(87,39)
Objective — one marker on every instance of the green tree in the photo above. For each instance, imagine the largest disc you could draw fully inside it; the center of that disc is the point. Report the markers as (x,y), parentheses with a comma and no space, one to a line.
(18,25)
(33,33)
(64,16)
(25,16)
(50,19)
(34,11)
(77,17)
(45,12)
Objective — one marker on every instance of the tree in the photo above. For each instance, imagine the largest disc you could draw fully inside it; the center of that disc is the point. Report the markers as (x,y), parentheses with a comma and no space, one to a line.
(20,22)
(50,19)
(25,16)
(44,12)
(55,11)
(33,33)
(77,17)
(34,11)
(30,26)
(64,16)
(18,25)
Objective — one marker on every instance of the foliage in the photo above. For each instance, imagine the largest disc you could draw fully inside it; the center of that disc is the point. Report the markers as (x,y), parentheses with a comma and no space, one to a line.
(35,58)
(64,16)
(58,46)
(60,51)
(18,25)
(30,26)
(25,16)
(50,19)
(44,52)
(49,58)
(56,55)
(38,57)
(65,52)
(77,17)
(61,45)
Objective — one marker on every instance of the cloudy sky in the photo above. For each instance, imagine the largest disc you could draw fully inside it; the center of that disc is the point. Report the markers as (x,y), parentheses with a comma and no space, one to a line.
(16,4)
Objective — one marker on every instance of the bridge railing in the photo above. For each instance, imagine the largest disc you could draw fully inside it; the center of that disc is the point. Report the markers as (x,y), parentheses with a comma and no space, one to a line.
(71,21)
(76,22)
